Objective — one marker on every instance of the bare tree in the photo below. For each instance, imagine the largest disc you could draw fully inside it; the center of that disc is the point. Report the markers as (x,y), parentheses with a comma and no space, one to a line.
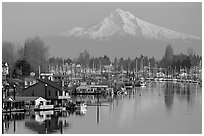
(9,54)
(36,53)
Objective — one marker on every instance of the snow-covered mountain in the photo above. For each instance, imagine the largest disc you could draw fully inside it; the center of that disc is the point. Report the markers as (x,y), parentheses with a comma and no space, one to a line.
(121,34)
(124,23)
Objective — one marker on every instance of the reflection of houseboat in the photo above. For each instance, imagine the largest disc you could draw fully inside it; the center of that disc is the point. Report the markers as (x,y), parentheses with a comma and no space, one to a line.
(81,108)
(43,115)
(81,111)
(47,122)
(80,105)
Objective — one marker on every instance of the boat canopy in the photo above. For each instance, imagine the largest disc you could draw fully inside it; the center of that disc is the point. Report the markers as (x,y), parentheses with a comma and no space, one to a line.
(83,87)
(98,86)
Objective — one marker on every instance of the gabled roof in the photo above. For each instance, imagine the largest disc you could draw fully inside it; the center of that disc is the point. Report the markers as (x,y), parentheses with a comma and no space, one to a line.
(83,87)
(21,98)
(50,83)
(104,83)
(8,99)
(29,79)
(25,98)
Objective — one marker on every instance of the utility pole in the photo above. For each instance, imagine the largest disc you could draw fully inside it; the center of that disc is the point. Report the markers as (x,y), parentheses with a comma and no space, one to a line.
(93,66)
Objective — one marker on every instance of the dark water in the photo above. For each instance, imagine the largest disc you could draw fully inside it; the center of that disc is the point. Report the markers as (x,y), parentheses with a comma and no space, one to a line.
(158,108)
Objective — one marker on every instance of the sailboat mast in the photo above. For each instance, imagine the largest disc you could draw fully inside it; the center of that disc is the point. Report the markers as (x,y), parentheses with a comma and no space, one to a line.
(149,69)
(136,68)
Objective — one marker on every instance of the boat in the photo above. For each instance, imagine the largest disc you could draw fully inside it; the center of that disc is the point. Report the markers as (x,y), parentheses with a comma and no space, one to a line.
(141,83)
(122,91)
(161,79)
(175,80)
(93,90)
(60,108)
(128,85)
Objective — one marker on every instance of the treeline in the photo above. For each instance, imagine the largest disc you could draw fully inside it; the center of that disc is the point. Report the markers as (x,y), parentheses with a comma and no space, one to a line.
(84,59)
(96,62)
(34,53)
(179,61)
(25,59)
(169,61)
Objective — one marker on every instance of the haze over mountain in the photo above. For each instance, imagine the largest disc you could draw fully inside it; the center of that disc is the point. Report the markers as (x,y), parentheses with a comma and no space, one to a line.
(121,34)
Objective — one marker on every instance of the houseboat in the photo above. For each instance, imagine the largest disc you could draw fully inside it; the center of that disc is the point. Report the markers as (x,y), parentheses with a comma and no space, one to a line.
(25,103)
(93,89)
(43,104)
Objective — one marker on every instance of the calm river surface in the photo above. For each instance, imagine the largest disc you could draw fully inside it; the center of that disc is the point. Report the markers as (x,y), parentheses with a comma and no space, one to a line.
(158,108)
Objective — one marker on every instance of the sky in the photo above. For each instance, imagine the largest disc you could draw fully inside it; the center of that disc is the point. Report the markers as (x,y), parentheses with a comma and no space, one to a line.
(24,20)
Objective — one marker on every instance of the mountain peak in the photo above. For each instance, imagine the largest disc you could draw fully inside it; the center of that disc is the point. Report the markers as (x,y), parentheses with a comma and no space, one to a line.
(118,10)
(123,13)
(122,22)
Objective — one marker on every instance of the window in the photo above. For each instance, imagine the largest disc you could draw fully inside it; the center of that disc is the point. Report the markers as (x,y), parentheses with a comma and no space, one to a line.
(32,102)
(32,93)
(60,93)
(56,93)
(41,102)
(49,93)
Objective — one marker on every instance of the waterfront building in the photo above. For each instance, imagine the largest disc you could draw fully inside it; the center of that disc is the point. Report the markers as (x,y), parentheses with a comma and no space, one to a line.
(28,81)
(5,69)
(48,90)
(47,76)
(22,103)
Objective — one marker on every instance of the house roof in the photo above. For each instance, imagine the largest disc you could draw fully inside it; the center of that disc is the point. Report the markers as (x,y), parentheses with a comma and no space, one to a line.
(50,83)
(83,87)
(104,83)
(25,98)
(20,98)
(98,86)
(8,99)
(29,79)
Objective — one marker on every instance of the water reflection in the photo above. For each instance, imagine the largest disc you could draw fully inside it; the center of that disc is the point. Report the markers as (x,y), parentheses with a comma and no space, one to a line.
(39,122)
(169,95)
(136,112)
